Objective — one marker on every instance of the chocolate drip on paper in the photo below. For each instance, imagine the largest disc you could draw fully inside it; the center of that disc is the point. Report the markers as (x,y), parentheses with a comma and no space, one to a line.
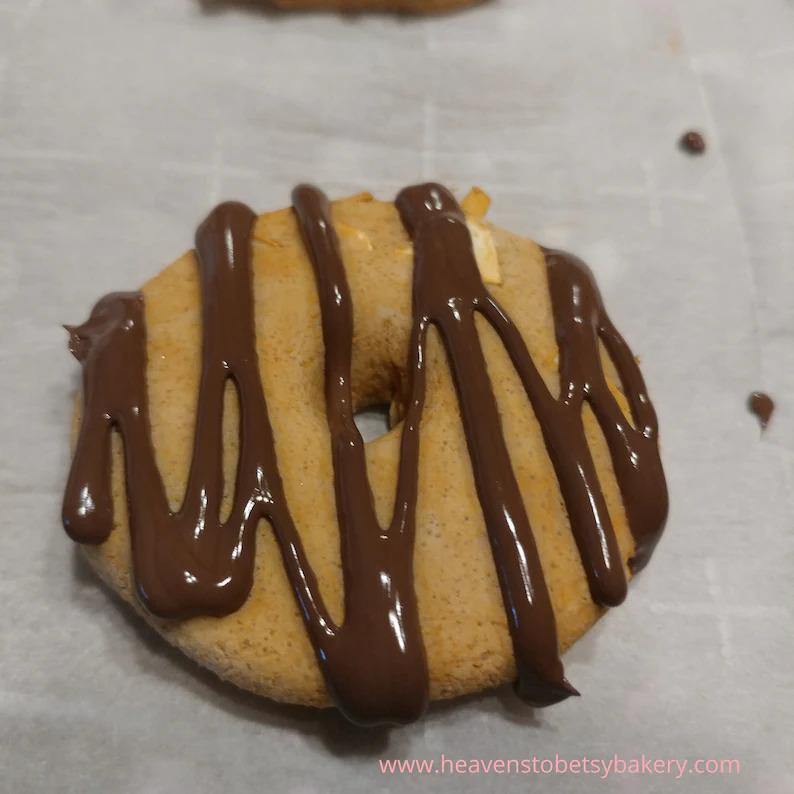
(190,563)
(763,406)
(692,142)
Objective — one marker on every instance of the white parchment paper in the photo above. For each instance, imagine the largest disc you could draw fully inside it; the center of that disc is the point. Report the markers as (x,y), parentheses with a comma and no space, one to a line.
(122,122)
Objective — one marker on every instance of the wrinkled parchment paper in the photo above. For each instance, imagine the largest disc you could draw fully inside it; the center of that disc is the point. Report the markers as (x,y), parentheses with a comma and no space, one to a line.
(122,122)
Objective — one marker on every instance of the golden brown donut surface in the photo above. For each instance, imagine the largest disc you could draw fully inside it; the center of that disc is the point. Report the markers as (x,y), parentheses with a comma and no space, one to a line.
(360,255)
(398,6)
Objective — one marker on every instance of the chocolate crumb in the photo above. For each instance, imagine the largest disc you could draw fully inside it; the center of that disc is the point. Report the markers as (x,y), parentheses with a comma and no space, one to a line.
(763,406)
(692,142)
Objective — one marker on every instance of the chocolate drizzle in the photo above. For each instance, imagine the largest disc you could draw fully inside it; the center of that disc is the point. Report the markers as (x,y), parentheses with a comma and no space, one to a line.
(189,563)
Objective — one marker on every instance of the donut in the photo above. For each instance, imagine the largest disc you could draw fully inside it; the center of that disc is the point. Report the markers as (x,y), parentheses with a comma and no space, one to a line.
(398,6)
(220,485)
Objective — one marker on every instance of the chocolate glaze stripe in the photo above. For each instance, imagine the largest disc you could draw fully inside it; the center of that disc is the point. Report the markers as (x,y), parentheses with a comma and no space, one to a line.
(447,291)
(381,616)
(634,449)
(563,432)
(579,321)
(185,563)
(188,563)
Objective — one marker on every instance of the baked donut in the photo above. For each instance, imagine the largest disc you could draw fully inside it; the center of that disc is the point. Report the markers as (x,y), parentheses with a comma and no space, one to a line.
(398,6)
(517,491)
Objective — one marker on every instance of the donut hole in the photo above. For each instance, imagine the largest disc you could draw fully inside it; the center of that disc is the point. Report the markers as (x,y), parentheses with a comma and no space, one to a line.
(373,422)
(378,418)
(379,399)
